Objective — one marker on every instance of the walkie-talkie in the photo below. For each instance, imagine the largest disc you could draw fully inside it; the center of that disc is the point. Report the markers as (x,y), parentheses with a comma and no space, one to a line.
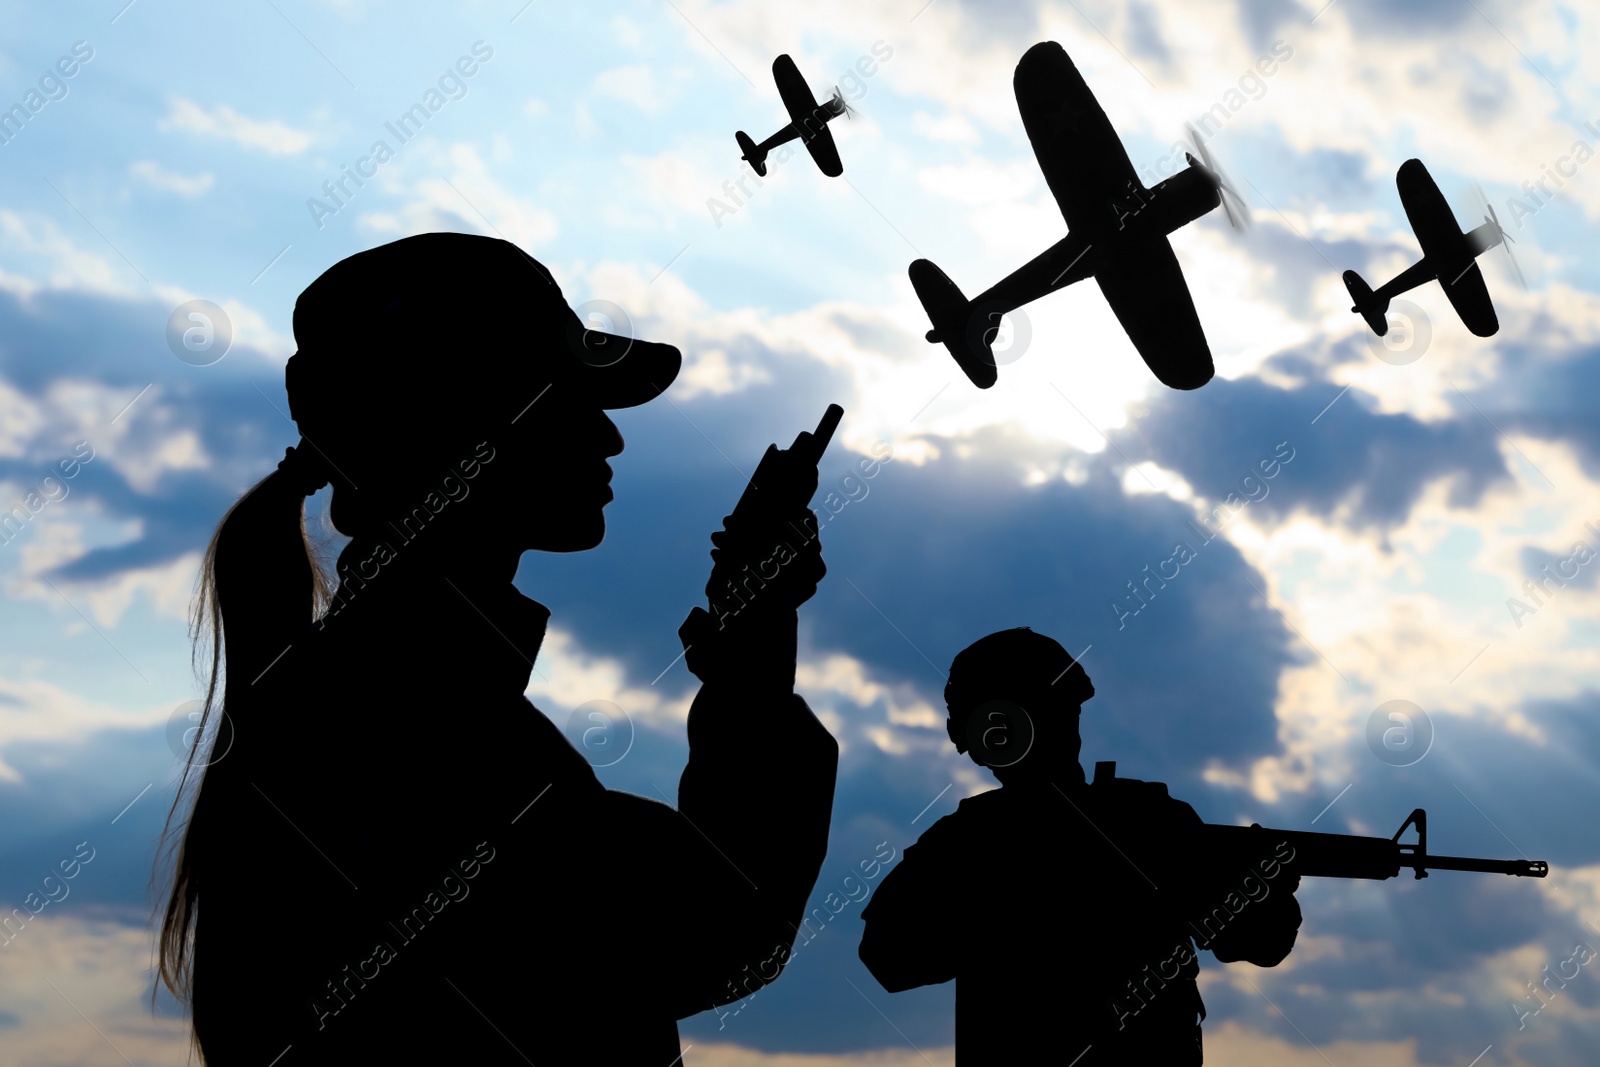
(782,485)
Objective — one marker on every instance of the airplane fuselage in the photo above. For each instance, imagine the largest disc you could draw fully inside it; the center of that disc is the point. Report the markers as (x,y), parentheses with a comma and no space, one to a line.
(1445,268)
(807,128)
(1166,206)
(1141,214)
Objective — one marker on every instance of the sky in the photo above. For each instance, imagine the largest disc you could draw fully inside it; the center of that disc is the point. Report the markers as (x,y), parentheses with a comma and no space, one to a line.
(1427,545)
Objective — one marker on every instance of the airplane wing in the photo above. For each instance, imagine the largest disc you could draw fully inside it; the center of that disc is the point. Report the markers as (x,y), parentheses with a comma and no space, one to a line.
(1470,297)
(1144,285)
(1446,247)
(824,151)
(807,116)
(1080,154)
(1429,214)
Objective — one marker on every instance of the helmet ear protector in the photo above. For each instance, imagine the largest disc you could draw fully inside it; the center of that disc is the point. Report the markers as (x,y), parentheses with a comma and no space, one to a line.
(998,733)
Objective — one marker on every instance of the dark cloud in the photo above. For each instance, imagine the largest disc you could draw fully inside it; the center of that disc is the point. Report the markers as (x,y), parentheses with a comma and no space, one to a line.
(1547,391)
(1352,464)
(71,791)
(1562,568)
(1014,21)
(1263,19)
(1425,17)
(1144,34)
(1487,93)
(64,337)
(872,333)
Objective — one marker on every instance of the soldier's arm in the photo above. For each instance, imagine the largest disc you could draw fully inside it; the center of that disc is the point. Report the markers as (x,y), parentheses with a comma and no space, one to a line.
(1241,908)
(909,939)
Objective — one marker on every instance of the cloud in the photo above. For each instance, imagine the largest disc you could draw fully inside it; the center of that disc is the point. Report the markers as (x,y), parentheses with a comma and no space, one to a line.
(35,712)
(953,128)
(639,86)
(171,181)
(99,968)
(465,200)
(271,136)
(1367,467)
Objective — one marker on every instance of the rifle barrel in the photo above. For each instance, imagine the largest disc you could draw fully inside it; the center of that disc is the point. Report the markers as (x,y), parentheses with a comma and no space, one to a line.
(1520,868)
(1323,855)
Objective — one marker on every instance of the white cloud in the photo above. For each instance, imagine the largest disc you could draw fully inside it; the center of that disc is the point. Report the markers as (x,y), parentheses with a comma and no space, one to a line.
(271,136)
(185,185)
(628,32)
(467,198)
(101,969)
(55,261)
(637,85)
(980,182)
(567,676)
(34,711)
(952,128)
(1402,614)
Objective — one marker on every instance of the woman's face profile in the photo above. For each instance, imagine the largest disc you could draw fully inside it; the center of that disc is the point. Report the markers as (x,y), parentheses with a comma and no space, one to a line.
(559,481)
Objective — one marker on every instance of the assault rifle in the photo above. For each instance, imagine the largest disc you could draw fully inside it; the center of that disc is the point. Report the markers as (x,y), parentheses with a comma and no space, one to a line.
(782,485)
(1319,855)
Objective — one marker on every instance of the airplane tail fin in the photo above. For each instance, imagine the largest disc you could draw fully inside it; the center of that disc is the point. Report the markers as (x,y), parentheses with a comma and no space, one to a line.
(1368,304)
(951,315)
(751,153)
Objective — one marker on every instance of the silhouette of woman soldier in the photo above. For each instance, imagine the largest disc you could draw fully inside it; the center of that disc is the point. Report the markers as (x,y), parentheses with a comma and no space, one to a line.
(392,856)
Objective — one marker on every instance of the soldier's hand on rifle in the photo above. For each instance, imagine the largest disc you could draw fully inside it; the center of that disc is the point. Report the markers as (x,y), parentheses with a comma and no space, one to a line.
(1265,931)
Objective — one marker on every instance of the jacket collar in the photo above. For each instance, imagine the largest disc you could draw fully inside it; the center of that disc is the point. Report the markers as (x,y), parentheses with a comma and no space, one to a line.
(502,631)
(427,621)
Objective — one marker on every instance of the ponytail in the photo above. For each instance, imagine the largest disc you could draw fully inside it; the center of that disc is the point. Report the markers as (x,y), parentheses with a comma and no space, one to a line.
(260,585)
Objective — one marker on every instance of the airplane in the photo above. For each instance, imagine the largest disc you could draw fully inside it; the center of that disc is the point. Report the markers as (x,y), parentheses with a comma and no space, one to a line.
(1447,254)
(1117,234)
(808,121)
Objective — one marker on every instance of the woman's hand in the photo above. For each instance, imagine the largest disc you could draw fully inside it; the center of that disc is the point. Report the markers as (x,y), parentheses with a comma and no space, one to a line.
(774,568)
(759,581)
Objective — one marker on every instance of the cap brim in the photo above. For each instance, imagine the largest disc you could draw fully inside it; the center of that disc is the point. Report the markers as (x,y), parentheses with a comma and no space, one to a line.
(618,371)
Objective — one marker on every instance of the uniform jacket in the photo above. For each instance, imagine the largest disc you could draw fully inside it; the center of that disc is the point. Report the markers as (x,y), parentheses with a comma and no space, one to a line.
(420,868)
(1065,916)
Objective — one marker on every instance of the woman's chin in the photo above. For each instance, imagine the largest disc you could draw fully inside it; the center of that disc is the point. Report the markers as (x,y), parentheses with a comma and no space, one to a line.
(575,537)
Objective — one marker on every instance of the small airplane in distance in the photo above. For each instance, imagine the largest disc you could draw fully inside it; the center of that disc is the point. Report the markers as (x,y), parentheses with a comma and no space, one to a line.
(1447,254)
(1118,234)
(808,120)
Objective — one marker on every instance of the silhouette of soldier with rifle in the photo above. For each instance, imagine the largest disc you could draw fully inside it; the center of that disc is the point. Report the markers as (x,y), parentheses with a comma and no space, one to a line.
(1067,913)
(399,860)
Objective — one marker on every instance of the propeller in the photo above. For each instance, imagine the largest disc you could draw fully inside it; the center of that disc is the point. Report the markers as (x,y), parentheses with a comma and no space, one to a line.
(838,105)
(1503,239)
(1233,204)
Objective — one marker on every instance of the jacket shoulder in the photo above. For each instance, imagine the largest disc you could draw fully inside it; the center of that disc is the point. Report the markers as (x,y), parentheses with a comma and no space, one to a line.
(1151,798)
